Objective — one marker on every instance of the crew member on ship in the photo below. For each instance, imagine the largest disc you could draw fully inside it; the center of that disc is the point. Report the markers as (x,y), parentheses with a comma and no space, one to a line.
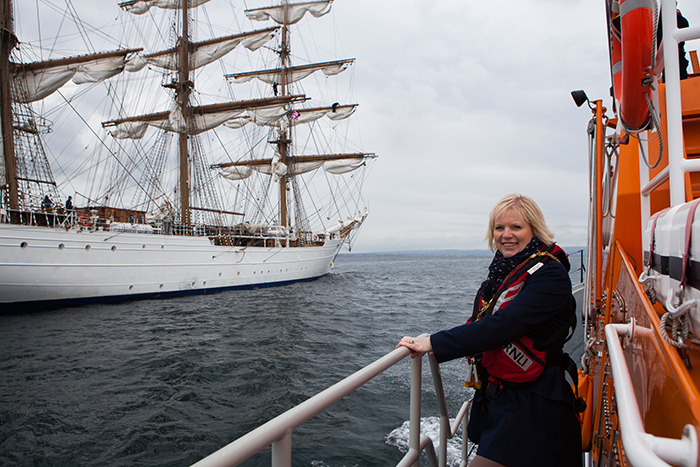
(683,62)
(523,412)
(46,204)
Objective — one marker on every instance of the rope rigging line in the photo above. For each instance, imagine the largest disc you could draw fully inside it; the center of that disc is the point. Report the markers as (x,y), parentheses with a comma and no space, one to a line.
(126,170)
(655,121)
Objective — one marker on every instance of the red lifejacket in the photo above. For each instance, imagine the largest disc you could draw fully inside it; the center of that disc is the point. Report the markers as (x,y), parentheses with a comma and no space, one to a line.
(518,361)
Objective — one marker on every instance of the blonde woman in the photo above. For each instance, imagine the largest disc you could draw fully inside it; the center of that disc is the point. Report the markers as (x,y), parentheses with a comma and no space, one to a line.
(523,412)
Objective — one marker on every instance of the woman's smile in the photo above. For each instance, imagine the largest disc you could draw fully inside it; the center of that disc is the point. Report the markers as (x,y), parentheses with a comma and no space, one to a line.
(511,233)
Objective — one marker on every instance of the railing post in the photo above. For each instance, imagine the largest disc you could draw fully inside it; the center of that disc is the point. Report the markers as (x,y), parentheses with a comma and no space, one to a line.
(465,441)
(282,451)
(414,420)
(445,428)
(674,117)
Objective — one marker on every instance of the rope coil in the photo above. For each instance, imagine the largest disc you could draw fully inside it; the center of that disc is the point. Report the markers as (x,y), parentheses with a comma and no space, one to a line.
(680,321)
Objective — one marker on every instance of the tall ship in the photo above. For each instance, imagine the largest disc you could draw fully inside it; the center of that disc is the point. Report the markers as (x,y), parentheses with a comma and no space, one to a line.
(184,157)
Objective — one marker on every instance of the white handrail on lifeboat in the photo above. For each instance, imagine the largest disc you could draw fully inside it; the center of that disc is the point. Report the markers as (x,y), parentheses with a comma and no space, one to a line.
(642,448)
(278,431)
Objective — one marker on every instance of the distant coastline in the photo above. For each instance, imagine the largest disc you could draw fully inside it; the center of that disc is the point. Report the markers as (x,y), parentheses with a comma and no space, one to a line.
(569,250)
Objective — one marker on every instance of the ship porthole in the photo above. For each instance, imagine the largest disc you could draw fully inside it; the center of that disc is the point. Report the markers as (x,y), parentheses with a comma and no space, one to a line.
(87,247)
(193,284)
(61,246)
(143,246)
(114,248)
(238,273)
(204,283)
(219,274)
(131,287)
(162,246)
(160,286)
(23,245)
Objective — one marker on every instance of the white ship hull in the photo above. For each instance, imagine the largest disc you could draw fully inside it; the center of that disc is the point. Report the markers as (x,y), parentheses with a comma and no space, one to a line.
(41,266)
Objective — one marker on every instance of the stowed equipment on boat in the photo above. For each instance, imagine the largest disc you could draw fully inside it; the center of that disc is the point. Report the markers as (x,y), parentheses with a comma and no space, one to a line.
(643,391)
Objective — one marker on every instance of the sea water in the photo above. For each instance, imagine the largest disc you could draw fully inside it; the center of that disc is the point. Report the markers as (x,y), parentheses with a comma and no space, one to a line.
(167,382)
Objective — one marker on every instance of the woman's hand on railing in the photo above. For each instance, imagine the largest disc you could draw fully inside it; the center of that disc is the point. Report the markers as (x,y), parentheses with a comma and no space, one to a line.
(417,345)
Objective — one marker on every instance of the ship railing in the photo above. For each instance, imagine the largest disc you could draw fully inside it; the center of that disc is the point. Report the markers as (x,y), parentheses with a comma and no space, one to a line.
(643,449)
(51,217)
(581,269)
(278,431)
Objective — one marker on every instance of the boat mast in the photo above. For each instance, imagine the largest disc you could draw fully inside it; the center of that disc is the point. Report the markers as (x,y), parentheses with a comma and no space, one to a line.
(283,143)
(7,43)
(183,89)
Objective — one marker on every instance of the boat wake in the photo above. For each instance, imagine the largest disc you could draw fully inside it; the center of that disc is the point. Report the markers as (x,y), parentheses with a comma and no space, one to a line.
(430,427)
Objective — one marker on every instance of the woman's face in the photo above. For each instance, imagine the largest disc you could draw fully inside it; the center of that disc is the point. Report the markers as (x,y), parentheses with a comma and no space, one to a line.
(511,233)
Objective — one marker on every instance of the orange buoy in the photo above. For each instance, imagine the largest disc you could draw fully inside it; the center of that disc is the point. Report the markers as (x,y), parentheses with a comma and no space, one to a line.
(637,30)
(85,220)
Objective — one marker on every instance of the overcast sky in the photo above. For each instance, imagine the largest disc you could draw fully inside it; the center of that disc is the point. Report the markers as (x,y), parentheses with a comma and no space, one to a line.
(463,101)
(466,101)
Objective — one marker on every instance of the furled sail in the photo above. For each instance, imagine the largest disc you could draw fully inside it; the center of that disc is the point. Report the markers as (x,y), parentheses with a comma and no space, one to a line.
(342,166)
(268,167)
(236,173)
(332,163)
(290,13)
(335,112)
(129,130)
(238,122)
(270,116)
(204,118)
(139,7)
(37,80)
(172,121)
(358,217)
(293,74)
(278,117)
(204,52)
(267,116)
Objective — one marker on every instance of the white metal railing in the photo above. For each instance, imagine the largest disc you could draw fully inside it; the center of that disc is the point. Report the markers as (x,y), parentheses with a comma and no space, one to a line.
(642,448)
(278,431)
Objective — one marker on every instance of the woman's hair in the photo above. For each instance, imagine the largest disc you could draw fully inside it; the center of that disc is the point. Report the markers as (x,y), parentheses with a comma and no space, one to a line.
(527,210)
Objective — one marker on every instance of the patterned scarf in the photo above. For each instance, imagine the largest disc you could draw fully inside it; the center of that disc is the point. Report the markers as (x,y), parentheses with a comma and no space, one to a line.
(501,266)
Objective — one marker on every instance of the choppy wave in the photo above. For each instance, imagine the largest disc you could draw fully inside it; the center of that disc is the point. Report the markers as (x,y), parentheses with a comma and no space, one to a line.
(167,382)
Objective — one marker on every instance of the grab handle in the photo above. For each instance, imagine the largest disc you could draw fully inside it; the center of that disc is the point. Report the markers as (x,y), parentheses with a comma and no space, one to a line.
(642,448)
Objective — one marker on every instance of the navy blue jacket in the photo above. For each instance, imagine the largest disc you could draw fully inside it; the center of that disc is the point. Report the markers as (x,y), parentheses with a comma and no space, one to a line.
(535,424)
(542,306)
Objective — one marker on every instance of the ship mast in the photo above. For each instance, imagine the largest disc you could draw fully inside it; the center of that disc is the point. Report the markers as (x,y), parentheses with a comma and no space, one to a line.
(183,89)
(283,144)
(7,43)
